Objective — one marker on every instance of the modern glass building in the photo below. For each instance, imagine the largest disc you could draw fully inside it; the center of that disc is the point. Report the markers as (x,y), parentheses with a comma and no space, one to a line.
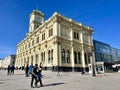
(102,51)
(107,54)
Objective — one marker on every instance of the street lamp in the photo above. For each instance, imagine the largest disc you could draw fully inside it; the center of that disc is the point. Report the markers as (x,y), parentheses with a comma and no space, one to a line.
(93,70)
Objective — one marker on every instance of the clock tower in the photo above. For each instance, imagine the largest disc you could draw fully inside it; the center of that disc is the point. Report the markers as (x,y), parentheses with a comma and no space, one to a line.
(36,19)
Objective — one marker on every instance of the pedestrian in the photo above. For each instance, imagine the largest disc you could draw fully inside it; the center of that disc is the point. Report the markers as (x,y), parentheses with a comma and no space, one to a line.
(27,70)
(30,69)
(39,74)
(22,68)
(52,68)
(9,70)
(12,69)
(58,69)
(34,75)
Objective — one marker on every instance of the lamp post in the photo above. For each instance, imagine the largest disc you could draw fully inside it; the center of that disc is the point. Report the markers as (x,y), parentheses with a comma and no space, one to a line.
(93,70)
(93,66)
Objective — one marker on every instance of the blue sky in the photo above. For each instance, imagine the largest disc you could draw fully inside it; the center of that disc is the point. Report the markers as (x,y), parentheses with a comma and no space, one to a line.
(103,15)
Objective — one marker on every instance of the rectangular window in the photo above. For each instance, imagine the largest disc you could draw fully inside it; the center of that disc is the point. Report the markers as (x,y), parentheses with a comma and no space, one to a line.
(77,36)
(50,32)
(43,36)
(32,42)
(37,40)
(29,45)
(74,35)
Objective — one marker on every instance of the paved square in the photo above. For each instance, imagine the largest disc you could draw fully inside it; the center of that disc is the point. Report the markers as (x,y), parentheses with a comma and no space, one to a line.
(66,81)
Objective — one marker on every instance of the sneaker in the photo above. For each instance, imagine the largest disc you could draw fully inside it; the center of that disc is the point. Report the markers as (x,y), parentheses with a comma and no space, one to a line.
(41,85)
(32,87)
(35,85)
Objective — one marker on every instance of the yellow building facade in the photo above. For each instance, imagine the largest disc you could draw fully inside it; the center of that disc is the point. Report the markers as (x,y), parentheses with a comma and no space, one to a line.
(58,41)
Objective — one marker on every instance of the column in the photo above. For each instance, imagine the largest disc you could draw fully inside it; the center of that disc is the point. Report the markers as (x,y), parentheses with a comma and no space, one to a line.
(56,49)
(93,64)
(83,60)
(72,58)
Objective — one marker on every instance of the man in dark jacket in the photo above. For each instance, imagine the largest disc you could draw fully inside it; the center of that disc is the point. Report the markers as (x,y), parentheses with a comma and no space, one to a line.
(34,75)
(9,70)
(12,69)
(27,70)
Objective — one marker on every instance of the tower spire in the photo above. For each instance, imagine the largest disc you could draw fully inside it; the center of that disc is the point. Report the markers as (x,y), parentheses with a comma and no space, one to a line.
(37,5)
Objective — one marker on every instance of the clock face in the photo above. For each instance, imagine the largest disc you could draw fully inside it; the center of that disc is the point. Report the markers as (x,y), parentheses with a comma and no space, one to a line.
(38,19)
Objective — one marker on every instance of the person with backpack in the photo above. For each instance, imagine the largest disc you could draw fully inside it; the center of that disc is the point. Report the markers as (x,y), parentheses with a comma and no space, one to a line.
(34,75)
(39,74)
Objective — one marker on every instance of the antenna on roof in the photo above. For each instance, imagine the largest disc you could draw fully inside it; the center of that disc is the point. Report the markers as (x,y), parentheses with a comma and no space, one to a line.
(37,4)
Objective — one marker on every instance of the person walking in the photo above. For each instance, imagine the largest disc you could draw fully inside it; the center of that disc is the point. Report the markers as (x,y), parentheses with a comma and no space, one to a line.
(52,68)
(58,69)
(12,69)
(27,70)
(39,74)
(34,75)
(9,70)
(30,69)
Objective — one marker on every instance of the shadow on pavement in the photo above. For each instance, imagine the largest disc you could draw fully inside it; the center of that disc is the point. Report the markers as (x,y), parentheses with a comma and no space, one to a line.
(1,83)
(53,84)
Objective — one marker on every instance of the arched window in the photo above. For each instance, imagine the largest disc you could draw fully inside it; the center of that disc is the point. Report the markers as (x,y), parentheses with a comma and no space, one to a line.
(88,59)
(75,57)
(79,58)
(52,56)
(28,60)
(49,56)
(85,57)
(36,59)
(63,55)
(31,59)
(24,61)
(68,56)
(21,62)
(42,57)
